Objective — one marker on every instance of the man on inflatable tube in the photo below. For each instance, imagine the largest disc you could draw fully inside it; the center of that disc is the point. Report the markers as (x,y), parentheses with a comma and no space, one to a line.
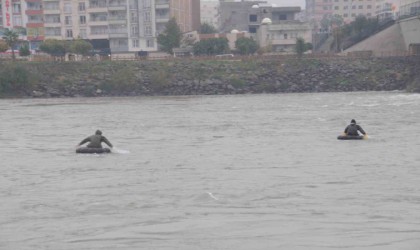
(353,129)
(95,141)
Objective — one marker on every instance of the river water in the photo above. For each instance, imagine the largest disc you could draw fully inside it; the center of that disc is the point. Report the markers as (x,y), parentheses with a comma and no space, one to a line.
(259,172)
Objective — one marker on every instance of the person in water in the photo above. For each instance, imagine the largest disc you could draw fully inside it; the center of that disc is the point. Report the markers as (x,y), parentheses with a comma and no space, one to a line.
(353,129)
(95,141)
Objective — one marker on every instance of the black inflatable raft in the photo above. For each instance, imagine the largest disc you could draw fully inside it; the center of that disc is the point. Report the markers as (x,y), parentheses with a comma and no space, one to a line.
(86,150)
(350,137)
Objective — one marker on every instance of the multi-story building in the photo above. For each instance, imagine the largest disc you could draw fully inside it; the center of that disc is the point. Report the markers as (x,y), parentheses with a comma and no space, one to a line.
(270,25)
(210,13)
(350,9)
(120,26)
(316,10)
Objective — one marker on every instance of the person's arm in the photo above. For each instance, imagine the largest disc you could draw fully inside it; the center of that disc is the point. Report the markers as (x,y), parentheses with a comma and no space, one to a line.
(84,141)
(345,130)
(361,130)
(106,141)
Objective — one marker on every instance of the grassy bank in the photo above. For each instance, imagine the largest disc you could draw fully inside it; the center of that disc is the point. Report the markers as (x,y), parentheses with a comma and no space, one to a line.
(189,77)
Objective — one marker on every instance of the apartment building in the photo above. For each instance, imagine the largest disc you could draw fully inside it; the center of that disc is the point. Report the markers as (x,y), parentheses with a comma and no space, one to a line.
(350,9)
(121,26)
(210,13)
(316,10)
(270,25)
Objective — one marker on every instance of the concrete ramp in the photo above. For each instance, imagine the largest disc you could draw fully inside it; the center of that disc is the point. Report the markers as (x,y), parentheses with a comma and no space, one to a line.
(390,40)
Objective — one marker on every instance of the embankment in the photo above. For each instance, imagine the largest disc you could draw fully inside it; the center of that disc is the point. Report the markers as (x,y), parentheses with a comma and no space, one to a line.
(196,77)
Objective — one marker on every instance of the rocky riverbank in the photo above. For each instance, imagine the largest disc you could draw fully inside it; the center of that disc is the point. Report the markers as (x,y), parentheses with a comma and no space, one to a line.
(194,77)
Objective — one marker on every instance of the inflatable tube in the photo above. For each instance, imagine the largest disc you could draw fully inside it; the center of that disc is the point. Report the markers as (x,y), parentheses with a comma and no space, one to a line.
(350,137)
(85,150)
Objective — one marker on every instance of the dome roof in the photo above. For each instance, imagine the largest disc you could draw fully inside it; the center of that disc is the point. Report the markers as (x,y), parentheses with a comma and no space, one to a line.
(255,6)
(266,21)
(234,31)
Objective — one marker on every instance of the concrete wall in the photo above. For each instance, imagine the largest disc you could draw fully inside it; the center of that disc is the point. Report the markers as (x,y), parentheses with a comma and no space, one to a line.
(410,28)
(393,40)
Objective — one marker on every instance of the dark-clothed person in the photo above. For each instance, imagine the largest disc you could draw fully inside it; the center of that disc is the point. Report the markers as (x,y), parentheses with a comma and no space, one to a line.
(353,129)
(95,141)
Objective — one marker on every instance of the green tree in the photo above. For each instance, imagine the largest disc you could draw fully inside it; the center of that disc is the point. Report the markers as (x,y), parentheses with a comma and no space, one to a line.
(53,47)
(3,46)
(11,38)
(246,46)
(24,50)
(206,28)
(212,46)
(300,46)
(81,47)
(171,36)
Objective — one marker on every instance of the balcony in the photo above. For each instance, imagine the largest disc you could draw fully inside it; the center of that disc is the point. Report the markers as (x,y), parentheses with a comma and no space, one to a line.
(33,12)
(162,4)
(162,18)
(98,36)
(118,35)
(119,49)
(117,20)
(96,9)
(51,11)
(117,7)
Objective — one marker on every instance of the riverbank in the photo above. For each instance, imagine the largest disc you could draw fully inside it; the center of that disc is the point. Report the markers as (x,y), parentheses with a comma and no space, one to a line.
(195,77)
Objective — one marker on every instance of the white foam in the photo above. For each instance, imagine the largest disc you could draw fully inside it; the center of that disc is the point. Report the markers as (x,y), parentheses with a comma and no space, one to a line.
(119,151)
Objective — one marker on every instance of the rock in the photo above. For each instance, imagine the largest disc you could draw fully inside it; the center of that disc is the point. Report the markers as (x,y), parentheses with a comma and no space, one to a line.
(38,94)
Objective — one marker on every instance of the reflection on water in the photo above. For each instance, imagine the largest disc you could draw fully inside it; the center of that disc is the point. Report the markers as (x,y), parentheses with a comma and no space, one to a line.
(212,172)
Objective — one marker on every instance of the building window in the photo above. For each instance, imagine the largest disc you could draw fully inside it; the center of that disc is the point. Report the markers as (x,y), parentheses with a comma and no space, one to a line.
(67,7)
(282,17)
(353,15)
(345,15)
(147,4)
(285,36)
(133,17)
(253,18)
(369,14)
(148,30)
(360,7)
(346,7)
(16,8)
(134,30)
(83,33)
(67,20)
(69,33)
(252,30)
(82,19)
(82,7)
(135,43)
(353,7)
(147,16)
(369,6)
(336,7)
(17,20)
(150,43)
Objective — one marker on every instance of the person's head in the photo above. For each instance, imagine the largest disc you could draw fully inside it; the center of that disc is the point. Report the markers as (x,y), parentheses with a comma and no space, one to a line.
(353,121)
(98,132)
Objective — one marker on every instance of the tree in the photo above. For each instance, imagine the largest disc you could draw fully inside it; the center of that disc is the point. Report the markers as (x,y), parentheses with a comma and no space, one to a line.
(53,47)
(246,46)
(212,46)
(11,38)
(171,36)
(300,47)
(24,50)
(207,28)
(3,46)
(81,47)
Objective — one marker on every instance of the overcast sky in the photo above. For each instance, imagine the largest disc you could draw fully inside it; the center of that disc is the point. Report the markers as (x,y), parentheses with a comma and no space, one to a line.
(300,3)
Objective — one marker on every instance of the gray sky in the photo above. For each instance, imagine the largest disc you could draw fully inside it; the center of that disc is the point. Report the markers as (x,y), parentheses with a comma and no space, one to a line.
(300,3)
